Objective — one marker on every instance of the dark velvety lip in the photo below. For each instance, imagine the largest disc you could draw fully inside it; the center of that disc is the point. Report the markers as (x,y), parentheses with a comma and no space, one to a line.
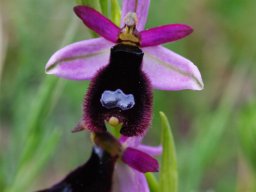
(95,175)
(122,73)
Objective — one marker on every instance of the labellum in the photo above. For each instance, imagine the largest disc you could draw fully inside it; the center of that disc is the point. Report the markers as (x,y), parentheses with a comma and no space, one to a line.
(121,90)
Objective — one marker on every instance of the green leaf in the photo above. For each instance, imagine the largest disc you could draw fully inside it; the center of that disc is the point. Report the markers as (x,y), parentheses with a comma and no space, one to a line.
(168,170)
(152,182)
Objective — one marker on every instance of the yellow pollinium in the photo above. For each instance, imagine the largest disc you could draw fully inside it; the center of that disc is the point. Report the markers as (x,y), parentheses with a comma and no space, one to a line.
(129,34)
(114,125)
(113,121)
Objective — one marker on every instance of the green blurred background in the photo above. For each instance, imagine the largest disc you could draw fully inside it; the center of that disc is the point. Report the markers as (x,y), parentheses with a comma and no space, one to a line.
(214,129)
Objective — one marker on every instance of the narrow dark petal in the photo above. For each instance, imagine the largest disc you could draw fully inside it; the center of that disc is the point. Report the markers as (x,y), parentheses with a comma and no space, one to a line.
(94,176)
(164,34)
(139,160)
(98,23)
(124,73)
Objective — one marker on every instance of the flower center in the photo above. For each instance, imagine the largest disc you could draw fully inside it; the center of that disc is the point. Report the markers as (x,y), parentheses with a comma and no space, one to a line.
(129,34)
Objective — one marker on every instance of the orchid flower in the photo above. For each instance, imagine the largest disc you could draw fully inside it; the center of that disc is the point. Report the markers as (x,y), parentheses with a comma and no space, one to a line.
(124,64)
(116,166)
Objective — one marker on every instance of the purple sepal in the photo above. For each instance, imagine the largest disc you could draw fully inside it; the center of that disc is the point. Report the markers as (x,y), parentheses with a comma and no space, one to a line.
(169,71)
(131,141)
(153,151)
(80,60)
(164,34)
(140,8)
(135,142)
(139,160)
(98,23)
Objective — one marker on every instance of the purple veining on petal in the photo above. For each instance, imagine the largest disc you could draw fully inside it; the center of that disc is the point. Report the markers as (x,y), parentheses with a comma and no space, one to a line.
(126,179)
(152,151)
(140,7)
(170,71)
(139,160)
(81,60)
(164,34)
(98,23)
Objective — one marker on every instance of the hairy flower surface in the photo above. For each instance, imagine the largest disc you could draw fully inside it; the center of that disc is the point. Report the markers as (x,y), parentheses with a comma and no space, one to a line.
(124,63)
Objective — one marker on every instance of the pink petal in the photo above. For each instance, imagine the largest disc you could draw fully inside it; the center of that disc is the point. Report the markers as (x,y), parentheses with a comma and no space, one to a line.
(126,179)
(170,71)
(164,34)
(134,142)
(152,151)
(98,23)
(139,160)
(140,7)
(81,60)
(131,141)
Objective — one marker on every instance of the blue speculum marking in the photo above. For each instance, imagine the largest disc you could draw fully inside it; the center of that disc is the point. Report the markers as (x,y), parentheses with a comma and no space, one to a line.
(117,99)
